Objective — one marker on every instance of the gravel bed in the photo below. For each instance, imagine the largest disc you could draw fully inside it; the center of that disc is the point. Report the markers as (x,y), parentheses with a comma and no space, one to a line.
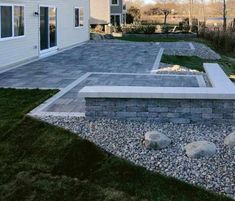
(124,139)
(177,69)
(200,50)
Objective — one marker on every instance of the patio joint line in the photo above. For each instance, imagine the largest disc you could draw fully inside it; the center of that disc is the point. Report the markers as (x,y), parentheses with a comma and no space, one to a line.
(191,46)
(51,100)
(157,61)
(201,81)
(147,74)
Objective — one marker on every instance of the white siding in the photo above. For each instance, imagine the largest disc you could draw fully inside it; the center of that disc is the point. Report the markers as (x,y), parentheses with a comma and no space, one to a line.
(100,11)
(20,49)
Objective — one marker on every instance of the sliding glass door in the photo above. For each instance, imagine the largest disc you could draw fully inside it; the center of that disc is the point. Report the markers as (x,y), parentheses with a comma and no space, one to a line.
(48,28)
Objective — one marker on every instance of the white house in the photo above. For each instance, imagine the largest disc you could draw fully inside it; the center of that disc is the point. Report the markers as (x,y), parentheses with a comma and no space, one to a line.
(30,29)
(100,12)
(104,12)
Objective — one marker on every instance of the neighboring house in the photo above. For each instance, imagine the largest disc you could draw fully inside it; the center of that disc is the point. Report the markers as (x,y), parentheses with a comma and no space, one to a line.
(104,12)
(30,29)
(118,12)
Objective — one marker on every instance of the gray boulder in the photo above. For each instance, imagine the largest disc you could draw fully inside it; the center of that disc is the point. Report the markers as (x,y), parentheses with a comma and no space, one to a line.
(230,140)
(156,140)
(200,149)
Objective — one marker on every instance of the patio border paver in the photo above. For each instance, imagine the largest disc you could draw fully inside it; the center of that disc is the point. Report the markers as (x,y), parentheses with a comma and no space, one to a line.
(157,62)
(39,109)
(42,109)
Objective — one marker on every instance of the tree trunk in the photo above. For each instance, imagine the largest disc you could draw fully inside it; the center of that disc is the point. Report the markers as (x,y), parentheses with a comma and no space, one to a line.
(224,16)
(190,12)
(234,24)
(203,11)
(165,19)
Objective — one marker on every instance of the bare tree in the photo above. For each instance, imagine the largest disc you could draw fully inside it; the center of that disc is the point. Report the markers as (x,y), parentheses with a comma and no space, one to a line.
(190,11)
(224,15)
(159,11)
(165,12)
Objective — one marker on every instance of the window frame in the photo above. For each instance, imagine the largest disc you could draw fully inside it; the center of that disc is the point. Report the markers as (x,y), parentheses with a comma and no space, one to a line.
(116,14)
(118,3)
(13,21)
(79,26)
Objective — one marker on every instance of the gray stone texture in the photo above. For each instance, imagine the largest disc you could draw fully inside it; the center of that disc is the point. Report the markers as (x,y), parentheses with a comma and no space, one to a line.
(183,49)
(230,140)
(163,110)
(200,149)
(156,140)
(159,35)
(60,70)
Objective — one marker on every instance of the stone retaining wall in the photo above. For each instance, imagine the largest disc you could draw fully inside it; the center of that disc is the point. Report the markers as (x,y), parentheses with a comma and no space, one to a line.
(161,35)
(162,110)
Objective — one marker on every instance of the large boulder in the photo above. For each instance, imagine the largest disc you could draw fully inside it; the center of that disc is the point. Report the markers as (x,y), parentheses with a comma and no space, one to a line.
(230,140)
(156,140)
(200,149)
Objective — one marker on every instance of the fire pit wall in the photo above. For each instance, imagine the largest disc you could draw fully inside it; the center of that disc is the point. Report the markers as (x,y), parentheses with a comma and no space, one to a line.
(162,110)
(214,104)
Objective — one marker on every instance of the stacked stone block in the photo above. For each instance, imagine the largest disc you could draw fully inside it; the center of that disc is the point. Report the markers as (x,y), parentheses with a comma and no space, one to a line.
(162,110)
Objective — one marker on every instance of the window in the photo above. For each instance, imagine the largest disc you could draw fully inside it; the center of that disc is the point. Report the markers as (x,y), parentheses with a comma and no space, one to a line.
(11,21)
(6,21)
(115,2)
(116,20)
(79,17)
(18,21)
(76,17)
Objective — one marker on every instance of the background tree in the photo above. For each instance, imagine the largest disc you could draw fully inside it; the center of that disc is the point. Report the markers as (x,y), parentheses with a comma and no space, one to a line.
(133,14)
(224,15)
(165,12)
(129,18)
(210,13)
(135,3)
(159,11)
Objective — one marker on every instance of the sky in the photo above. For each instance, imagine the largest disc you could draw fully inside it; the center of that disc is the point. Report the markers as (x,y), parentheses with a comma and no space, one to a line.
(149,1)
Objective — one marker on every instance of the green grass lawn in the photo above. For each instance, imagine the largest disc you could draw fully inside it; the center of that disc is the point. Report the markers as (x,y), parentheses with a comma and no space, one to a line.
(40,162)
(196,63)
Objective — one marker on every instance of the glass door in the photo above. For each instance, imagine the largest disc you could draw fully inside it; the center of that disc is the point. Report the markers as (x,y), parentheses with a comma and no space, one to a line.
(48,29)
(115,20)
(52,26)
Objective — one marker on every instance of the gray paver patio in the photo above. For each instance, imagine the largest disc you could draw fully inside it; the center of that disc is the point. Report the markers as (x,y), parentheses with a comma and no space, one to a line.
(111,62)
(62,69)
